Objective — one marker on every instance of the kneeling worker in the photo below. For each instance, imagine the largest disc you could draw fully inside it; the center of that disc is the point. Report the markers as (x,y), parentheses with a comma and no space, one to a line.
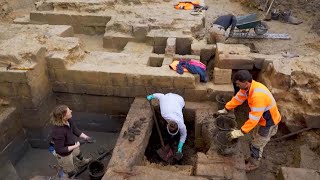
(264,115)
(171,106)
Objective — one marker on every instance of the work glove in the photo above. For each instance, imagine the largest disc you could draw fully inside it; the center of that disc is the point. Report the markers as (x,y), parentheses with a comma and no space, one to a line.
(51,150)
(234,134)
(222,111)
(180,145)
(150,97)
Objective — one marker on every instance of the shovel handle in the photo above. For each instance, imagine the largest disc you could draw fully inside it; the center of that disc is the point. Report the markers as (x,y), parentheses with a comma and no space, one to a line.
(290,134)
(157,125)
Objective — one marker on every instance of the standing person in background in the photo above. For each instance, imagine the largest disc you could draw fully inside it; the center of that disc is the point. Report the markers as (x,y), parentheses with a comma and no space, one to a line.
(63,139)
(264,116)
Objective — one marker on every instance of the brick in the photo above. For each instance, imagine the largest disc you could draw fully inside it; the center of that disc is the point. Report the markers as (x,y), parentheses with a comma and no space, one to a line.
(228,61)
(222,76)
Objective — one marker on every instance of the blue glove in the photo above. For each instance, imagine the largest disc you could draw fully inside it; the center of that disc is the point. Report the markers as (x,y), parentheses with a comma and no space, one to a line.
(150,97)
(180,147)
(51,149)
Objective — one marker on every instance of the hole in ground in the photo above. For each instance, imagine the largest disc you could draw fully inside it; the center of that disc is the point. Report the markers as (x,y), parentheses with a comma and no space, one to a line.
(155,61)
(189,149)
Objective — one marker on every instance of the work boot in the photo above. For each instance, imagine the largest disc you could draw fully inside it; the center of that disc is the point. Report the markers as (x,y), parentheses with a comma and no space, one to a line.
(252,164)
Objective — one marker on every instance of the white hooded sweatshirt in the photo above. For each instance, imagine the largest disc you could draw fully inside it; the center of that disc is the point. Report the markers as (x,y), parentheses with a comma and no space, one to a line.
(171,110)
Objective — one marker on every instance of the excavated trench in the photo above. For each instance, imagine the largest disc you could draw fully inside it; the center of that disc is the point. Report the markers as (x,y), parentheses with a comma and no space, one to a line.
(99,117)
(189,148)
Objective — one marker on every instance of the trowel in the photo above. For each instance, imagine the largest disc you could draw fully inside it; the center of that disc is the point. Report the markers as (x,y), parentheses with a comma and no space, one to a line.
(165,152)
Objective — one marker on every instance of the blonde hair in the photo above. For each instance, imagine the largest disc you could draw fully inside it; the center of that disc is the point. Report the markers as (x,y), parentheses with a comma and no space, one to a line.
(58,114)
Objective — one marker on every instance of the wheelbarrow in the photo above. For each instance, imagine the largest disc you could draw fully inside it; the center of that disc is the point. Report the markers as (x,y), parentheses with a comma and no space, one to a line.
(247,22)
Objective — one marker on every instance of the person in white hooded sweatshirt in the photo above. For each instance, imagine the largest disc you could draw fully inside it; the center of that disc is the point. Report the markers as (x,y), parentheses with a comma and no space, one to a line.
(171,106)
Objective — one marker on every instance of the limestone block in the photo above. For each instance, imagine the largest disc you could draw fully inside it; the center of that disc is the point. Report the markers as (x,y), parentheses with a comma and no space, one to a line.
(230,61)
(139,91)
(10,126)
(8,171)
(196,94)
(56,60)
(85,77)
(238,49)
(7,90)
(119,26)
(159,49)
(289,173)
(23,89)
(128,154)
(12,76)
(196,48)
(309,159)
(59,87)
(119,79)
(222,76)
(140,31)
(207,52)
(216,35)
(139,80)
(116,40)
(62,76)
(162,81)
(183,46)
(16,149)
(184,82)
(258,59)
(170,49)
(123,91)
(225,167)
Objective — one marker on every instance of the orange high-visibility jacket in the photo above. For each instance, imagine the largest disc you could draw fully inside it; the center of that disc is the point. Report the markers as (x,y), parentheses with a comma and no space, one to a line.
(263,107)
(186,5)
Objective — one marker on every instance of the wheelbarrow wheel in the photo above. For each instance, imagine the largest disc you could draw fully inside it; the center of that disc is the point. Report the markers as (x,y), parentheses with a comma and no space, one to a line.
(261,28)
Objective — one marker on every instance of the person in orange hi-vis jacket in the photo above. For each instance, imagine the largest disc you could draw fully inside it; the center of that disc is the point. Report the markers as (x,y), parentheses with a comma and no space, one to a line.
(264,115)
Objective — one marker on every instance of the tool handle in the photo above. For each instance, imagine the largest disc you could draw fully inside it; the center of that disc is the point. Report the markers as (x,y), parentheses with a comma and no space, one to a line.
(157,125)
(290,134)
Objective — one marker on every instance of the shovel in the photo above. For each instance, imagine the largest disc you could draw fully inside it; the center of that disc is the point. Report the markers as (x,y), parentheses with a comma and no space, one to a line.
(312,123)
(165,152)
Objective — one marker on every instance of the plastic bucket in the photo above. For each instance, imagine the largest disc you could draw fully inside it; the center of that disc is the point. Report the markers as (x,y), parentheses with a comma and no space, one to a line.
(225,146)
(96,170)
(225,122)
(220,101)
